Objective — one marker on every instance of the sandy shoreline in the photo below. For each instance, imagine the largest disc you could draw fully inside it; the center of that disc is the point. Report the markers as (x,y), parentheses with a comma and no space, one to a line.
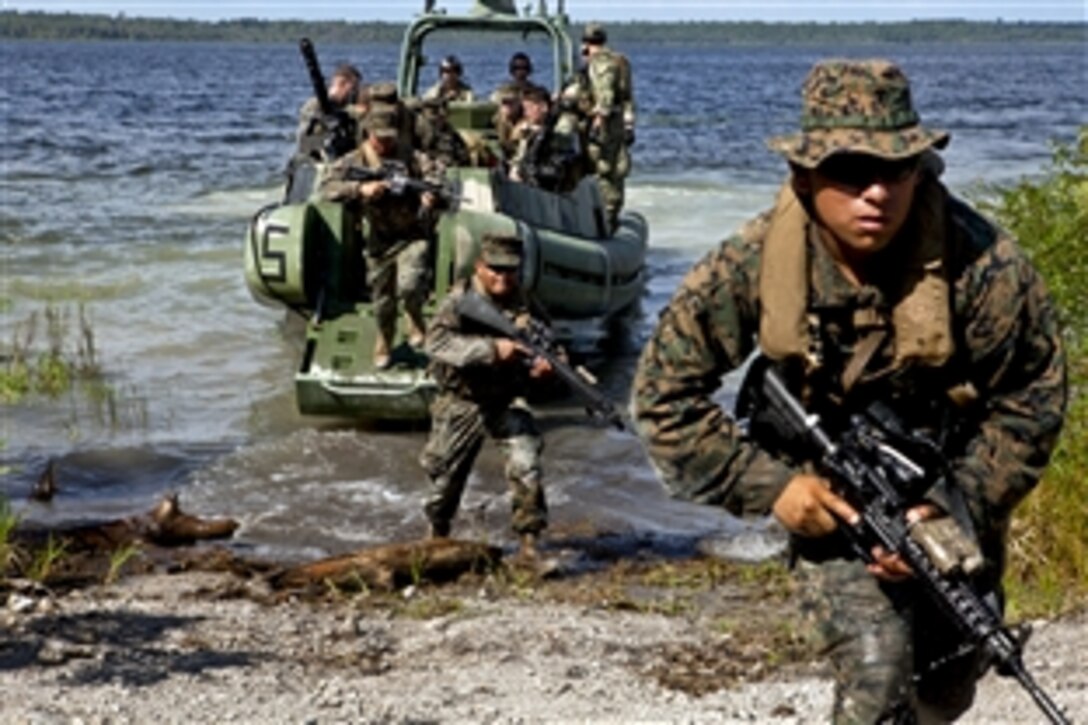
(216,647)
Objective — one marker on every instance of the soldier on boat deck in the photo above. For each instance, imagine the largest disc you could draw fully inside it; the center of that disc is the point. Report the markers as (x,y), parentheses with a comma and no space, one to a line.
(399,224)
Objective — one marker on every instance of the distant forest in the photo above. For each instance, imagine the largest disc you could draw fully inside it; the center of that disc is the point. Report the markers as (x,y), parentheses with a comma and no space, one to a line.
(75,26)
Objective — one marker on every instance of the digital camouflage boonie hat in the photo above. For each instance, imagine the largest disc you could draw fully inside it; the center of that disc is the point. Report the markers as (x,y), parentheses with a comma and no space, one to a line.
(500,251)
(856,106)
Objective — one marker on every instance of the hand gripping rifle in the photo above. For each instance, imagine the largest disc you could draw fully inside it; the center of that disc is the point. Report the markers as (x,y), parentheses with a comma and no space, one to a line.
(881,470)
(340,127)
(399,181)
(473,307)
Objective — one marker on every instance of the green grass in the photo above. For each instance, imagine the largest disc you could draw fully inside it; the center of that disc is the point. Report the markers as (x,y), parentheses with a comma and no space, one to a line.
(1048,562)
(49,367)
(8,552)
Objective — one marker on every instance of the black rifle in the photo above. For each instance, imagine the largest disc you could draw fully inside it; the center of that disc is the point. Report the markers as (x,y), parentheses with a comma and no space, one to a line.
(881,470)
(473,307)
(395,174)
(340,127)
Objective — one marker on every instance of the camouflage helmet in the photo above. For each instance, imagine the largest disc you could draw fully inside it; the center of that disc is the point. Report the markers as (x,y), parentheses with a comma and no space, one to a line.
(860,107)
(500,250)
(594,34)
(384,92)
(381,120)
(451,63)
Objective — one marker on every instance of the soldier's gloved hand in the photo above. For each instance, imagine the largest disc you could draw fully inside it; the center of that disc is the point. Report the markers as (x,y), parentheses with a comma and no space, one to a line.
(629,136)
(808,507)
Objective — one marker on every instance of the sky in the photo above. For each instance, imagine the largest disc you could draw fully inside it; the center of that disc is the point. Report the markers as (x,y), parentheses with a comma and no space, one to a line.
(583,10)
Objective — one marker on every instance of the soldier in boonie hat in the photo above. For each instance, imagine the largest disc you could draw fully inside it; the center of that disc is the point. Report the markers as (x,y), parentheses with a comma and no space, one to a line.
(856,106)
(504,252)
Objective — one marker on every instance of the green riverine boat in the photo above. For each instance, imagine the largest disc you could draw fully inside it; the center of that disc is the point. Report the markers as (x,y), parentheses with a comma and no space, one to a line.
(304,254)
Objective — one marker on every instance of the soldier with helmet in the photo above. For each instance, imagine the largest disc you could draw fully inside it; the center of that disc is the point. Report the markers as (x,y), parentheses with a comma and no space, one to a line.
(443,143)
(611,118)
(867,283)
(520,68)
(482,383)
(450,85)
(398,225)
(548,154)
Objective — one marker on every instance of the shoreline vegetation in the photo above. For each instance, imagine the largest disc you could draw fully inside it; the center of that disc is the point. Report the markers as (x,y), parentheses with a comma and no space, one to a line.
(15,25)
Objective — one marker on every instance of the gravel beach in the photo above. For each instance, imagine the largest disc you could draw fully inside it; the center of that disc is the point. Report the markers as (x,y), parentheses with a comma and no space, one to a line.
(216,647)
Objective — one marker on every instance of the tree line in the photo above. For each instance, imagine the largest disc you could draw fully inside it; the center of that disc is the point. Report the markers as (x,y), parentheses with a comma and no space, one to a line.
(81,26)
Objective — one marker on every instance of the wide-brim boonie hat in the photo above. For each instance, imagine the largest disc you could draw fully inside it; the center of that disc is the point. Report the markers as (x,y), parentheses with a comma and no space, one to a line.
(851,106)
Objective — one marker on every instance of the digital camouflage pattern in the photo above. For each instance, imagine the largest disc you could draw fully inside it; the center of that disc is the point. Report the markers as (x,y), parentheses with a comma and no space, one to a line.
(396,243)
(1008,349)
(856,107)
(478,397)
(608,75)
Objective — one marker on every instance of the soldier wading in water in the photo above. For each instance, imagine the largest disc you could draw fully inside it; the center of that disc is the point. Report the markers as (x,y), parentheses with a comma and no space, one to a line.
(481,383)
(866,282)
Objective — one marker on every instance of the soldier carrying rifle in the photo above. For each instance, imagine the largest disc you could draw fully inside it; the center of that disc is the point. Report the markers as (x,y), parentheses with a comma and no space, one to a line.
(483,377)
(867,282)
(399,224)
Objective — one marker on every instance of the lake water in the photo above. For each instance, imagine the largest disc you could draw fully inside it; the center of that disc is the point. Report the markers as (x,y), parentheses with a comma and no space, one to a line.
(129,174)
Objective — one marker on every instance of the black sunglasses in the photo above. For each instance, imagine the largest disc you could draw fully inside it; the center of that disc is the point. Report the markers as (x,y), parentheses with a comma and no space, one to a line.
(861,170)
(502,269)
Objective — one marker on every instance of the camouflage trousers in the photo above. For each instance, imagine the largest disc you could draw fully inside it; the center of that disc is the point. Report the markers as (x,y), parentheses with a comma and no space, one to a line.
(397,271)
(458,428)
(891,650)
(610,160)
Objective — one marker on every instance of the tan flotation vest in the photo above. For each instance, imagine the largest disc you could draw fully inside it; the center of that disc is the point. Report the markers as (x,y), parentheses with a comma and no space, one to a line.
(921,316)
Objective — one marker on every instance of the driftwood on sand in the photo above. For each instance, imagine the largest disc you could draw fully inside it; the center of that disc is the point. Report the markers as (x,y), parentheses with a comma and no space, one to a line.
(393,565)
(164,525)
(386,566)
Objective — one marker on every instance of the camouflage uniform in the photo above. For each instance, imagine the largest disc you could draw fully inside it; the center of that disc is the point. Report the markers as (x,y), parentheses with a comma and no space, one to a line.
(396,242)
(609,75)
(462,93)
(479,396)
(992,332)
(310,135)
(548,154)
(443,143)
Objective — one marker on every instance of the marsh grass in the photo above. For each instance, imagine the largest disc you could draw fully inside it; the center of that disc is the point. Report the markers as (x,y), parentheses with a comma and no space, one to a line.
(45,560)
(8,551)
(118,559)
(1048,562)
(49,351)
